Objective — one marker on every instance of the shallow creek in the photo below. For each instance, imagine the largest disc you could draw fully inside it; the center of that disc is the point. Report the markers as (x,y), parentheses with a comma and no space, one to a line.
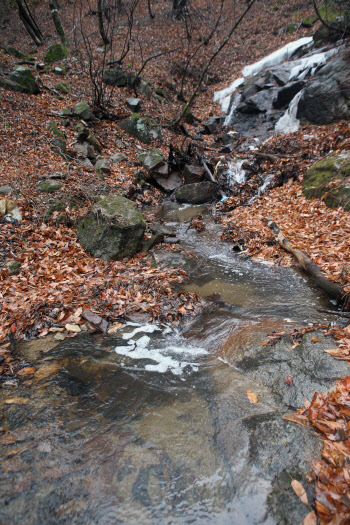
(153,425)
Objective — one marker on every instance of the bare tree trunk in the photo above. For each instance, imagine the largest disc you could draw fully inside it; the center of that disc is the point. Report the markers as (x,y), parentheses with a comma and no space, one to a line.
(179,9)
(104,37)
(58,24)
(29,22)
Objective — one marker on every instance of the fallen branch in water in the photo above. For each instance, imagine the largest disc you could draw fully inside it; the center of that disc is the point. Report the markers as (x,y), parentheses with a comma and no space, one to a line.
(332,289)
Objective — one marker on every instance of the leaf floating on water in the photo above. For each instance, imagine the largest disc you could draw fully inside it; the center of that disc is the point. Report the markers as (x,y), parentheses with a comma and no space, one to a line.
(28,370)
(253,398)
(300,491)
(48,370)
(114,328)
(16,401)
(310,519)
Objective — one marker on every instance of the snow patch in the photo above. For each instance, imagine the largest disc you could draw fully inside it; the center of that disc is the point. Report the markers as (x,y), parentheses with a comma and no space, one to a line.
(289,123)
(224,96)
(235,174)
(276,57)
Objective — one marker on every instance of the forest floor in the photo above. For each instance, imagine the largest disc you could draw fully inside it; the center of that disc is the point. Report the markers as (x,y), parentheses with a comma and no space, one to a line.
(58,280)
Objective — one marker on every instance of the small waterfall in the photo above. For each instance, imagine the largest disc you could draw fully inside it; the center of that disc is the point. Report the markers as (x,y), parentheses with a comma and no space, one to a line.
(235,174)
(289,123)
(236,100)
(263,188)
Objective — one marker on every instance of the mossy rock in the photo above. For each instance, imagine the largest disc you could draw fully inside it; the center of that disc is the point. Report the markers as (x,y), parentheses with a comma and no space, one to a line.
(329,180)
(63,87)
(83,110)
(152,159)
(48,186)
(23,77)
(55,53)
(308,21)
(291,28)
(113,229)
(13,267)
(142,128)
(53,128)
(18,54)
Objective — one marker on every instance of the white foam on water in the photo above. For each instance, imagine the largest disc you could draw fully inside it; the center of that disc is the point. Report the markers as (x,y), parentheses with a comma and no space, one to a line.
(289,123)
(235,174)
(146,328)
(173,358)
(276,57)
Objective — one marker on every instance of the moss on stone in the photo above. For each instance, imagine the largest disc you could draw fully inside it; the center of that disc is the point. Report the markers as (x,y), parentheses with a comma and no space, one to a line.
(23,77)
(329,180)
(63,87)
(47,186)
(18,54)
(55,53)
(53,128)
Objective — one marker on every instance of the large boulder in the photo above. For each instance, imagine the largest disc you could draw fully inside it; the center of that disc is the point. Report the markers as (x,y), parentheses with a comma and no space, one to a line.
(329,180)
(113,229)
(197,193)
(152,160)
(326,98)
(21,79)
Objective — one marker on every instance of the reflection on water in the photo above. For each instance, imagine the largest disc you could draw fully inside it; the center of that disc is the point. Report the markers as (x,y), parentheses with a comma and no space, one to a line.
(147,426)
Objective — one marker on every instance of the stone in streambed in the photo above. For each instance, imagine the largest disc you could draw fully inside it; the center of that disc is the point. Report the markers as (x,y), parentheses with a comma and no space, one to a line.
(113,229)
(197,193)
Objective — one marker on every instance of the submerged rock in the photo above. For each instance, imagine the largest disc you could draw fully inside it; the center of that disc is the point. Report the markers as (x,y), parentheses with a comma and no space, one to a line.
(113,229)
(329,180)
(197,193)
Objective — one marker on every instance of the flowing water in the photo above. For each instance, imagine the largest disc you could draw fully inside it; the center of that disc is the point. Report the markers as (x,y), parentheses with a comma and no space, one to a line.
(153,425)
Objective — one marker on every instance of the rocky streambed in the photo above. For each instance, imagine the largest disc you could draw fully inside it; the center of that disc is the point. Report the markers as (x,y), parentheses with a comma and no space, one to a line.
(154,424)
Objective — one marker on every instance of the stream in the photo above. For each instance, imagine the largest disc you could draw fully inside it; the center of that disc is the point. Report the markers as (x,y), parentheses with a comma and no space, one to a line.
(153,425)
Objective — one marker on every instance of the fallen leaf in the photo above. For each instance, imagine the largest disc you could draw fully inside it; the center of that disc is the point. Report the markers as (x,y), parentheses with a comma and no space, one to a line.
(300,491)
(16,401)
(253,398)
(315,339)
(28,370)
(289,380)
(114,328)
(72,328)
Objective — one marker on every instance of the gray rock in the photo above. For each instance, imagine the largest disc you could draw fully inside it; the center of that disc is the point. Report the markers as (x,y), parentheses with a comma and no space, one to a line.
(5,190)
(65,112)
(193,173)
(117,157)
(329,180)
(145,89)
(117,77)
(83,111)
(287,93)
(326,98)
(103,165)
(84,161)
(63,87)
(49,186)
(163,230)
(142,128)
(212,124)
(23,77)
(152,160)
(197,193)
(157,238)
(258,103)
(86,150)
(134,104)
(113,229)
(58,145)
(168,183)
(163,259)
